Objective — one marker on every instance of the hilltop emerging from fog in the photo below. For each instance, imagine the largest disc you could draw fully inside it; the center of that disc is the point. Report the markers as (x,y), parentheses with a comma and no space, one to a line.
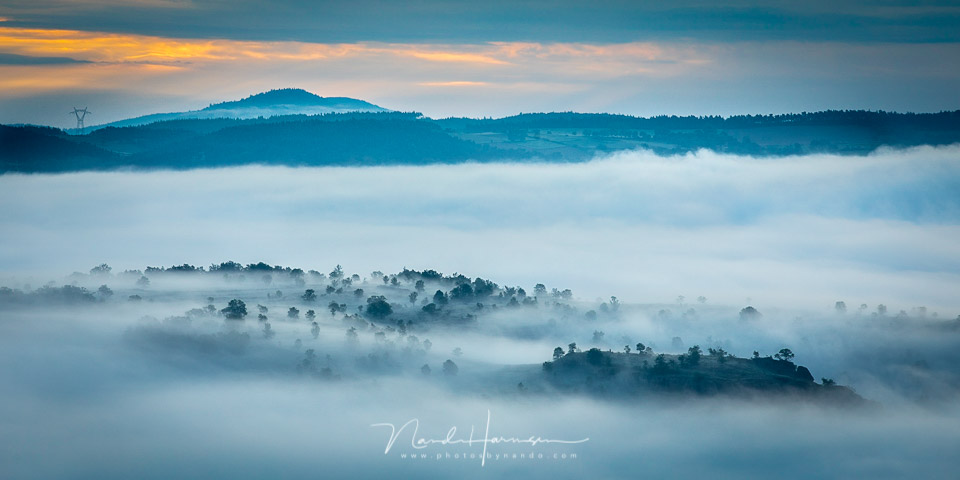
(297,128)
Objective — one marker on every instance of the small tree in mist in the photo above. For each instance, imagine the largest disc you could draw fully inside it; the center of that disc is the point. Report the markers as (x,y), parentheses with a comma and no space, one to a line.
(413,297)
(425,369)
(450,368)
(235,310)
(315,329)
(641,348)
(614,304)
(557,353)
(750,313)
(571,348)
(784,355)
(309,296)
(378,307)
(352,337)
(293,312)
(840,307)
(539,290)
(693,356)
(311,315)
(268,332)
(419,286)
(105,292)
(102,269)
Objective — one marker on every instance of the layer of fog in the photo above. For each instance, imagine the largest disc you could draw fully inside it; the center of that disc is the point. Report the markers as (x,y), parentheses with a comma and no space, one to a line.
(162,393)
(115,389)
(782,231)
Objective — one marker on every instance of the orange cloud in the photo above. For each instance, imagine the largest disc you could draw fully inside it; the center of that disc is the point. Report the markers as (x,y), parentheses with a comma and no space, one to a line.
(435,56)
(119,48)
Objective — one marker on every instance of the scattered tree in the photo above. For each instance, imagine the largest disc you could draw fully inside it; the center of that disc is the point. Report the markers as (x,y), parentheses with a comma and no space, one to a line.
(235,310)
(750,313)
(784,355)
(557,353)
(450,368)
(378,307)
(693,355)
(840,307)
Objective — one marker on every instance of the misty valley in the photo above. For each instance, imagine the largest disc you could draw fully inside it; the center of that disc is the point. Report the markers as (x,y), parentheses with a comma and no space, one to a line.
(540,296)
(343,327)
(682,315)
(439,240)
(260,343)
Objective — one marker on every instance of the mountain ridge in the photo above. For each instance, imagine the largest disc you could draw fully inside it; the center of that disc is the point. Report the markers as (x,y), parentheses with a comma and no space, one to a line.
(277,102)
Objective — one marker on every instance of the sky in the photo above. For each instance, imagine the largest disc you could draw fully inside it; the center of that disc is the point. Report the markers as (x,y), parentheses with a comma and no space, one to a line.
(127,58)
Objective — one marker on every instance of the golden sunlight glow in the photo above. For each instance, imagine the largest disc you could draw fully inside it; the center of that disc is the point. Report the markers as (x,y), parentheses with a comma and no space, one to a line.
(452,57)
(121,60)
(115,47)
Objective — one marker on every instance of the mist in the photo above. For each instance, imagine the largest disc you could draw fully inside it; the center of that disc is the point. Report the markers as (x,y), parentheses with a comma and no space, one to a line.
(152,381)
(788,231)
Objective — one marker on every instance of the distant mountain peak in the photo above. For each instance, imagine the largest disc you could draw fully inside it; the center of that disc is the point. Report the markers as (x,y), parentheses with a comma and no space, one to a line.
(293,97)
(284,101)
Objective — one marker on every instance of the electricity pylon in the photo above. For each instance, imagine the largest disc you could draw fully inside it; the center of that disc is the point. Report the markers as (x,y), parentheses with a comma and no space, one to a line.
(80,114)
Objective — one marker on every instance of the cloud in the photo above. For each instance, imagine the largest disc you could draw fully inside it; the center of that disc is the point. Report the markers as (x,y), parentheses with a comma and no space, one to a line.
(13,59)
(439,21)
